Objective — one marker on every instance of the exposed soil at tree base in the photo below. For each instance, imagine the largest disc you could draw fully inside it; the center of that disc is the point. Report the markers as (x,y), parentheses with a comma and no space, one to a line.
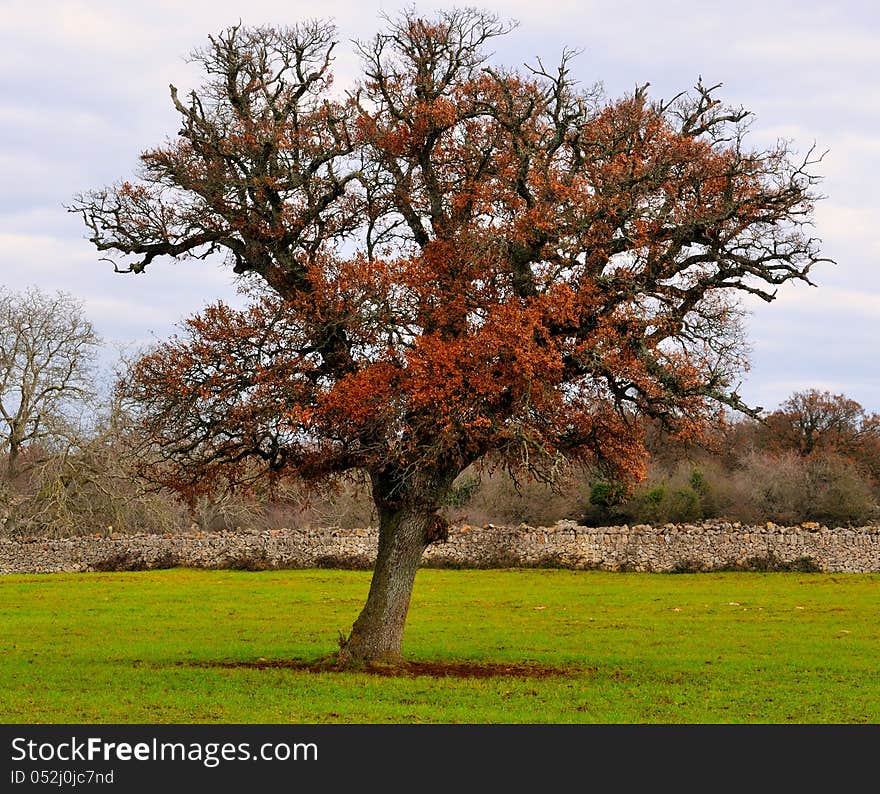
(405,668)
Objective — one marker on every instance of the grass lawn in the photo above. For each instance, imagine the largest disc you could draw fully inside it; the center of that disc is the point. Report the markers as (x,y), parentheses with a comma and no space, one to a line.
(731,647)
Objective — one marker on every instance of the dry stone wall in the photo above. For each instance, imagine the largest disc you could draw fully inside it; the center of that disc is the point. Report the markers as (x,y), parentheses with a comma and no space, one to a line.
(681,547)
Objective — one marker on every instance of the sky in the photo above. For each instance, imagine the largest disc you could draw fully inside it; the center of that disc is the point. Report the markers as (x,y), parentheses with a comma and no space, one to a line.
(84,89)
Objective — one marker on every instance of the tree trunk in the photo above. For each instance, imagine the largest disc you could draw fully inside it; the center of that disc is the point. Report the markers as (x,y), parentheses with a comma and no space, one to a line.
(12,460)
(404,534)
(10,525)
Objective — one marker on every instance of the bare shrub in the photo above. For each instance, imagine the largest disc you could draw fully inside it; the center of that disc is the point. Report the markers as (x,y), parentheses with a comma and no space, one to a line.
(499,499)
(789,488)
(344,503)
(226,511)
(840,494)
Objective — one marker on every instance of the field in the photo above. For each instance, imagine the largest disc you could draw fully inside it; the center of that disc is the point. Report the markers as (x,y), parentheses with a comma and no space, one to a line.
(165,646)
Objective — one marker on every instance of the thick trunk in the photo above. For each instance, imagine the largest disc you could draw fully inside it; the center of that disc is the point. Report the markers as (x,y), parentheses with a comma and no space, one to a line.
(377,633)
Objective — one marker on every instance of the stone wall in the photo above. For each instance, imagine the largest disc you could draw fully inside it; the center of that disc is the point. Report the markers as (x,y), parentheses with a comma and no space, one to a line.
(687,547)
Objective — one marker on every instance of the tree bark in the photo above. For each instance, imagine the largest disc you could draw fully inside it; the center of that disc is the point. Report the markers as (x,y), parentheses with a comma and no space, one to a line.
(376,636)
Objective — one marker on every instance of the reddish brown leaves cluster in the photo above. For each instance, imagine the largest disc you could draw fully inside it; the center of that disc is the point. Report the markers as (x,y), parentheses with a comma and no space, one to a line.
(460,261)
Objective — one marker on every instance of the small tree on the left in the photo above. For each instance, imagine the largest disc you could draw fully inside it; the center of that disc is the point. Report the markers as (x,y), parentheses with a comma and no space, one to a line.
(47,354)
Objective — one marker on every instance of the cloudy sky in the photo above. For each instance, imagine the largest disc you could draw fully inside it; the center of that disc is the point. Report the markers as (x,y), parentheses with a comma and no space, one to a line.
(84,88)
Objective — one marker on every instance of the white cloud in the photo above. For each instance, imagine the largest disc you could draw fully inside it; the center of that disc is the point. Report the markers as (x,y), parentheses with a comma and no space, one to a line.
(853,228)
(828,302)
(812,47)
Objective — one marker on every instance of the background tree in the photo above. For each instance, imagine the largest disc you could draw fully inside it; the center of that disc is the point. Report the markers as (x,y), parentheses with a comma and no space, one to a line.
(450,261)
(814,423)
(47,350)
(818,421)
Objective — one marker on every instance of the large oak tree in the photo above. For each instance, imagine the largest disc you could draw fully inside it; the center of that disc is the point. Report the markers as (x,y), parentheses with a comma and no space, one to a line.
(451,260)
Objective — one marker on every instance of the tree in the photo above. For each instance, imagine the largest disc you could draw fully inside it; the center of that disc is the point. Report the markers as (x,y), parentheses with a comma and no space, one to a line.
(47,349)
(818,422)
(451,261)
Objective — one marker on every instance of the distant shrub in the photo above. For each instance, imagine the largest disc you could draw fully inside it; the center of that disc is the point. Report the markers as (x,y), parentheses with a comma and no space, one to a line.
(841,495)
(790,488)
(651,506)
(697,482)
(498,499)
(608,503)
(607,494)
(684,505)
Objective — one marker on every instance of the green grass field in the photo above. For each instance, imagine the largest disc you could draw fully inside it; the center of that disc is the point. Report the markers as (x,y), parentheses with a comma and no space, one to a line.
(732,647)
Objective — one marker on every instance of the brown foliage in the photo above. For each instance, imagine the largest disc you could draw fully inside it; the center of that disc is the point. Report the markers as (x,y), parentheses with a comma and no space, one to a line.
(459,260)
(813,422)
